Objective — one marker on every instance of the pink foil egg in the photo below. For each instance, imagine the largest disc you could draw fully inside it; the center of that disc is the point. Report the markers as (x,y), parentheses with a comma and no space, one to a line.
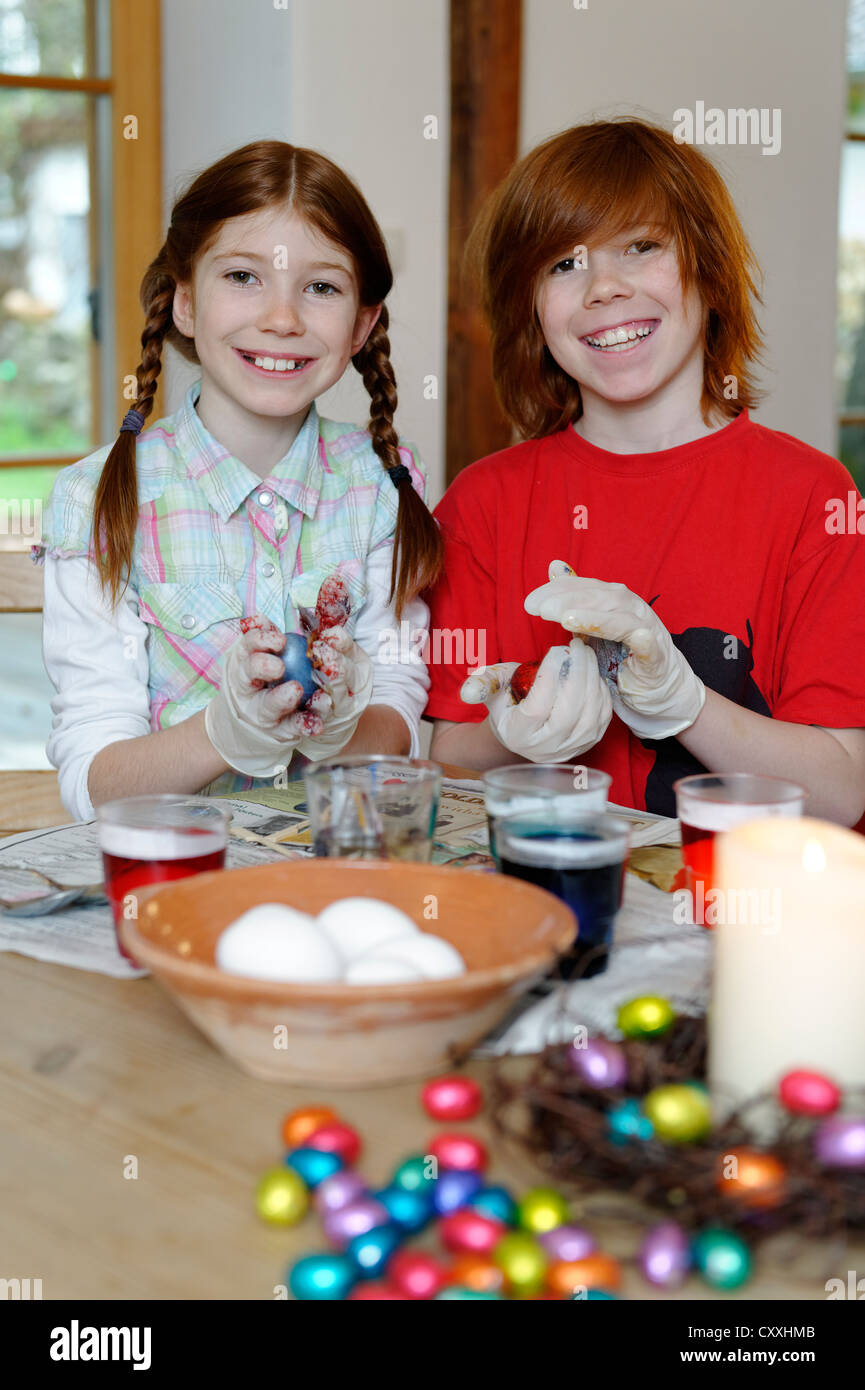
(600,1063)
(355,1219)
(469,1232)
(416,1274)
(449,1098)
(463,1151)
(808,1093)
(337,1138)
(338,1190)
(665,1255)
(840,1142)
(567,1243)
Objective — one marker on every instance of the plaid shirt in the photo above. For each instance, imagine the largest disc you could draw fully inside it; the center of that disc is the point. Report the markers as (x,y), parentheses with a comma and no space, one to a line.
(215,542)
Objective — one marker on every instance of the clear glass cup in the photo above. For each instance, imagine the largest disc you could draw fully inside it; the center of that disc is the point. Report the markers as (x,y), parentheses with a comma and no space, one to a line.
(373,806)
(532,786)
(580,857)
(714,801)
(156,839)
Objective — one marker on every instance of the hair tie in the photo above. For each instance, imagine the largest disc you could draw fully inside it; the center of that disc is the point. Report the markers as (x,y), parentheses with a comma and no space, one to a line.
(397,474)
(133,421)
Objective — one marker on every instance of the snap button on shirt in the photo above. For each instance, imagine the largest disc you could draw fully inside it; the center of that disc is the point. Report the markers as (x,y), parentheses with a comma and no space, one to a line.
(268,569)
(188,620)
(265,498)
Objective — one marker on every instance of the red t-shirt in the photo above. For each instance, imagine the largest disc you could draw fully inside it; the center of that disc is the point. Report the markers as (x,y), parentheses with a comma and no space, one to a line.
(726,538)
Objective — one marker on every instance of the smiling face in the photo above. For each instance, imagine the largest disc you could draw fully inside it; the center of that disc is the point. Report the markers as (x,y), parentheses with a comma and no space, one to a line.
(274,312)
(623,328)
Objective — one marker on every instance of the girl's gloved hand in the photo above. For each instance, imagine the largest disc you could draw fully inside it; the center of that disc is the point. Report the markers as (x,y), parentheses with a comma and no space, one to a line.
(253,727)
(655,692)
(346,672)
(566,711)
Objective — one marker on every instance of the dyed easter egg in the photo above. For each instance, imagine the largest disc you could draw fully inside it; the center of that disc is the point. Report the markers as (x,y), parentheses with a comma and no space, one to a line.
(626,1121)
(313,1165)
(415,1172)
(595,1271)
(679,1114)
(371,1252)
(409,1210)
(338,1190)
(296,665)
(416,1274)
(754,1178)
(808,1093)
(281,1197)
(336,1138)
(522,1261)
(665,1255)
(449,1098)
(496,1202)
(567,1243)
(600,1063)
(463,1151)
(355,1219)
(646,1017)
(722,1258)
(542,1208)
(840,1142)
(470,1232)
(523,679)
(455,1188)
(300,1124)
(322,1277)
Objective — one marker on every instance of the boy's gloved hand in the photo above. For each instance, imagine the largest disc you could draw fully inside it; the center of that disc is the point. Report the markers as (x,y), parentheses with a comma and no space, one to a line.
(346,672)
(253,727)
(566,711)
(656,692)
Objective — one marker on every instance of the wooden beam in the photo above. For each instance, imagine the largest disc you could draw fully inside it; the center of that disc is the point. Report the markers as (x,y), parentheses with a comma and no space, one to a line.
(485,42)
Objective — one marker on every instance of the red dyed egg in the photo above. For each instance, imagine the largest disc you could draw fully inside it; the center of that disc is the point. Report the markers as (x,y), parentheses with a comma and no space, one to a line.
(336,1138)
(523,679)
(462,1151)
(363,1293)
(416,1274)
(469,1232)
(452,1098)
(808,1093)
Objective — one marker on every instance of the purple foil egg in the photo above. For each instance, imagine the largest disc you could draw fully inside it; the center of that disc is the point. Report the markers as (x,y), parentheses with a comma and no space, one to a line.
(840,1142)
(567,1243)
(355,1219)
(338,1190)
(665,1255)
(600,1063)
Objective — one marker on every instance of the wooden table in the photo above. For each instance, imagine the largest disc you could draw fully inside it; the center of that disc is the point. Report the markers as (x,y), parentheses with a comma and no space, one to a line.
(99,1075)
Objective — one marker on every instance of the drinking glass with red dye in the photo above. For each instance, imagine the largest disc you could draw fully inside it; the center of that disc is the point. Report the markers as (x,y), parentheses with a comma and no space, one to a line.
(156,839)
(714,801)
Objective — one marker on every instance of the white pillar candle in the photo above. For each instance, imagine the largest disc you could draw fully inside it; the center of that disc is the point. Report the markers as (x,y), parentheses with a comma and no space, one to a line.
(789,980)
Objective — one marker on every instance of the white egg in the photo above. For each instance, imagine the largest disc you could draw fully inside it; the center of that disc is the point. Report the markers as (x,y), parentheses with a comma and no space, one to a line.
(378,969)
(434,958)
(275,942)
(357,925)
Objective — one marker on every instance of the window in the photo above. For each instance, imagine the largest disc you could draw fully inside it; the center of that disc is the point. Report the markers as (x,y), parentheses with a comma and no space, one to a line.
(850,371)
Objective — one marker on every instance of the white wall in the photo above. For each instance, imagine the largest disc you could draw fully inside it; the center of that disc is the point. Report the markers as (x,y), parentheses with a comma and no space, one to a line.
(621,57)
(354,81)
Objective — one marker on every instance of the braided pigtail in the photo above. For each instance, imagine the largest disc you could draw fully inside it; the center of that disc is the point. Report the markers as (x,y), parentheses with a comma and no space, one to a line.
(115,507)
(417,551)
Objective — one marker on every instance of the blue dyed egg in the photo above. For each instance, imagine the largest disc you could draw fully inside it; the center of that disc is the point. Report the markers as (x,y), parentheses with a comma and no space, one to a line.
(409,1210)
(370,1252)
(322,1277)
(313,1165)
(496,1202)
(297,665)
(455,1188)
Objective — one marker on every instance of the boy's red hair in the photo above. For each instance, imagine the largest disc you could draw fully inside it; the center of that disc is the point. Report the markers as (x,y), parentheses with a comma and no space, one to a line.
(590,184)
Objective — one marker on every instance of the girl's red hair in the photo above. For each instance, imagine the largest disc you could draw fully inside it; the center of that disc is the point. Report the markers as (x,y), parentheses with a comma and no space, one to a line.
(590,184)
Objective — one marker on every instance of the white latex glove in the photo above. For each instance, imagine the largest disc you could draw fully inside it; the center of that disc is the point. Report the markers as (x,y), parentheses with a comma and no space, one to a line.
(346,673)
(566,711)
(655,691)
(253,727)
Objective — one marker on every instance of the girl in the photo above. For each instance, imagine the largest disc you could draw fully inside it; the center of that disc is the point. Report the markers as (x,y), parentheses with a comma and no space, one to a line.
(618,283)
(240,505)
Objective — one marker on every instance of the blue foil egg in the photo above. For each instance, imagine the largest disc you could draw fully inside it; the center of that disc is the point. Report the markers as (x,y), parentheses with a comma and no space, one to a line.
(322,1277)
(297,665)
(313,1165)
(370,1252)
(626,1121)
(409,1210)
(455,1188)
(496,1202)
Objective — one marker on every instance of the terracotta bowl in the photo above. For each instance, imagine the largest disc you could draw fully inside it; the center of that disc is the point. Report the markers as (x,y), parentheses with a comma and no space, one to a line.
(507,932)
